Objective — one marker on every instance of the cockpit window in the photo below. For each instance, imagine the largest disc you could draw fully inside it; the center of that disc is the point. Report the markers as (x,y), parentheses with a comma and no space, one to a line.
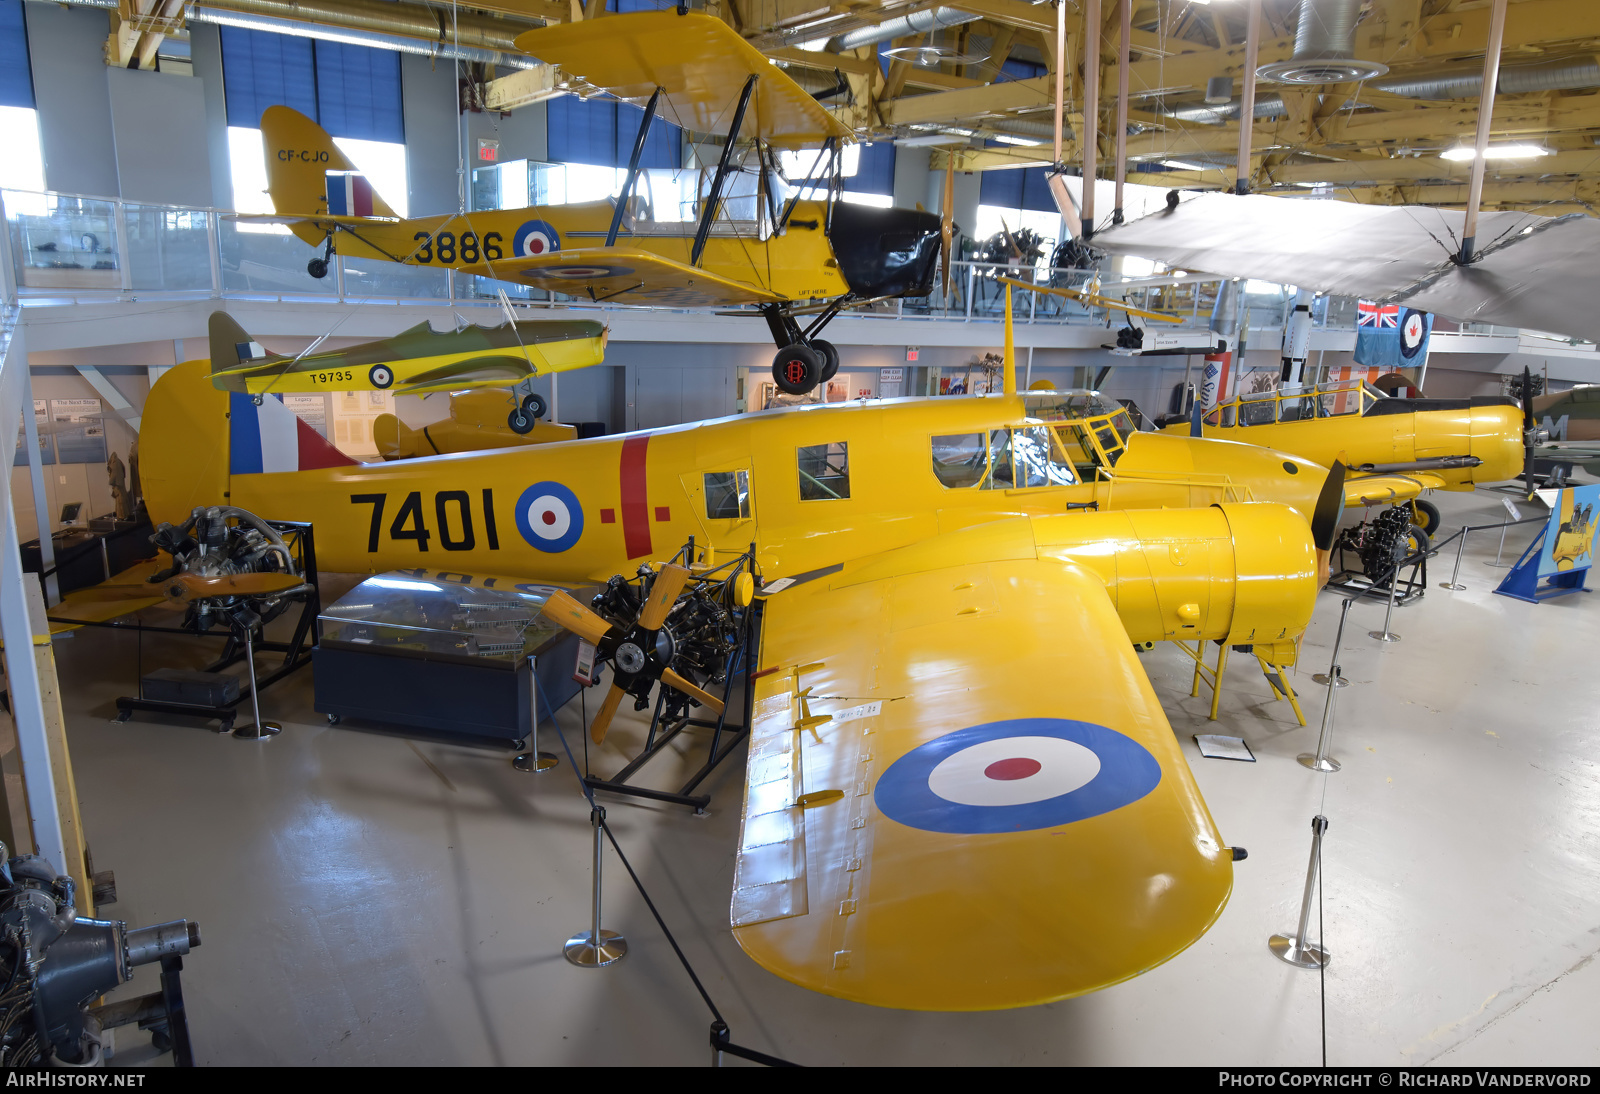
(824,472)
(960,460)
(1023,458)
(728,495)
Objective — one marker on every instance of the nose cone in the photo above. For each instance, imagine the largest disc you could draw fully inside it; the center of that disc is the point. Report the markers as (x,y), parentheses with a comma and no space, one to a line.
(1496,440)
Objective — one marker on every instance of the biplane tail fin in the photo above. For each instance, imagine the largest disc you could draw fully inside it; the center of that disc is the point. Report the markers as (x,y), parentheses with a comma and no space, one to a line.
(299,156)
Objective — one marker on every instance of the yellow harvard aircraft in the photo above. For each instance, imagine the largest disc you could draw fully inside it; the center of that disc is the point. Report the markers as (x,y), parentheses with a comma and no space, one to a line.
(931,564)
(714,82)
(1393,448)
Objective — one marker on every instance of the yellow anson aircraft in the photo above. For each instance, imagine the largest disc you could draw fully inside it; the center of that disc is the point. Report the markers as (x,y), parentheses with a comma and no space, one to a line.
(994,764)
(711,81)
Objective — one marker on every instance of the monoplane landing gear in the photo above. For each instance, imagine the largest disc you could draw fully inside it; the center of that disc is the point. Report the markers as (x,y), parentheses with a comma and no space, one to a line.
(318,267)
(797,369)
(529,409)
(1426,514)
(830,358)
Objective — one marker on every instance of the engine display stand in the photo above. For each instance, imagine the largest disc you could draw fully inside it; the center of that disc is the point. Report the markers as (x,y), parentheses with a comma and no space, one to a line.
(296,652)
(726,735)
(1411,576)
(160,1012)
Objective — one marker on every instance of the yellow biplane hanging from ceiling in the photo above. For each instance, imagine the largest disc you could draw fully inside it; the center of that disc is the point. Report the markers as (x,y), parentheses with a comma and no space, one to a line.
(920,780)
(796,257)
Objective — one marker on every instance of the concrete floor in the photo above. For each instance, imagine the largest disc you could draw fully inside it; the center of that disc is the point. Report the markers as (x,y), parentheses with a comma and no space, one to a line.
(369,900)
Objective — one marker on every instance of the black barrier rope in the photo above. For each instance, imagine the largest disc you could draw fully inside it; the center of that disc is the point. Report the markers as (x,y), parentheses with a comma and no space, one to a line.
(721,1037)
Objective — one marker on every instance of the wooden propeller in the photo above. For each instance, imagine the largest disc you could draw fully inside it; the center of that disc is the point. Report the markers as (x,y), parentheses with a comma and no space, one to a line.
(947,217)
(183,588)
(565,611)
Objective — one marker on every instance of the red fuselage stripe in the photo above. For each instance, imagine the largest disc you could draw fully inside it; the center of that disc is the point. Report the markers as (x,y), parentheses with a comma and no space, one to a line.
(635,499)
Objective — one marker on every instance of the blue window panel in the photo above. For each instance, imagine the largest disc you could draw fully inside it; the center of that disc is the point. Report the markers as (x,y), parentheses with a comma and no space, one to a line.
(875,172)
(358,92)
(1023,188)
(602,131)
(1019,70)
(262,69)
(16,76)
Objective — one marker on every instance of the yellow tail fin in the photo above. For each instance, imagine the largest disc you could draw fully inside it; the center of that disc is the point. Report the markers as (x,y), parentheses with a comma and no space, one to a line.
(299,156)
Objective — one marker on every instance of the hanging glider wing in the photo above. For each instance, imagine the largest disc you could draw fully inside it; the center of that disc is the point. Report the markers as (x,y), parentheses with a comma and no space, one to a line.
(700,63)
(1532,271)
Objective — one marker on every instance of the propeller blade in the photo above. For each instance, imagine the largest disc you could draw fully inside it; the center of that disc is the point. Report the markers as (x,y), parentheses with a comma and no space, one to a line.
(947,218)
(602,717)
(1527,428)
(679,683)
(1011,241)
(565,611)
(663,595)
(1330,507)
(197,587)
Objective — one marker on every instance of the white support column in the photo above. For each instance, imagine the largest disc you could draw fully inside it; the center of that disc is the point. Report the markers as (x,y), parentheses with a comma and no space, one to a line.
(27,700)
(41,502)
(1247,99)
(107,391)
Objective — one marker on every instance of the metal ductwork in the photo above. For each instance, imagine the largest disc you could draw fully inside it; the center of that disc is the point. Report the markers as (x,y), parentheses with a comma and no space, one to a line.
(1324,47)
(382,24)
(1269,106)
(922,22)
(1576,72)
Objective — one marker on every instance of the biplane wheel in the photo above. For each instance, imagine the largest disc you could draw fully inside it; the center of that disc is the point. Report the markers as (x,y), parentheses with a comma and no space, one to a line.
(520,421)
(318,268)
(797,369)
(830,357)
(533,403)
(1427,514)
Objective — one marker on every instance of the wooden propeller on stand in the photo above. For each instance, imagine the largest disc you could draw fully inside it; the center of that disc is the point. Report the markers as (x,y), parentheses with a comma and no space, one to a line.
(639,650)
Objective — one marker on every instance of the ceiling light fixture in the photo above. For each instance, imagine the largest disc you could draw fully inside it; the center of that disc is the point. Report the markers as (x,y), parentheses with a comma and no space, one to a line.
(1496,152)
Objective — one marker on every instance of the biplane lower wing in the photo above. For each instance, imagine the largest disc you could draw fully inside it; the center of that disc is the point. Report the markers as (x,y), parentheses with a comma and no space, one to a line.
(628,274)
(938,818)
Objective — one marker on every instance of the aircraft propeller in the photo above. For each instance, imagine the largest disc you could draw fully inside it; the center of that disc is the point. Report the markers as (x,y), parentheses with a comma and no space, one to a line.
(1325,517)
(947,214)
(1528,427)
(635,650)
(183,588)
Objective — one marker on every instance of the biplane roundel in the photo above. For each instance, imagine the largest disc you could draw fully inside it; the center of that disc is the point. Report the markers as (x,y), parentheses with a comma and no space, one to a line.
(1017,775)
(549,517)
(534,238)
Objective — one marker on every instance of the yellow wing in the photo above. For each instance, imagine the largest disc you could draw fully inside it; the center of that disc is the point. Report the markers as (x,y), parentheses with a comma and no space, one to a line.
(1387,489)
(977,803)
(700,63)
(638,277)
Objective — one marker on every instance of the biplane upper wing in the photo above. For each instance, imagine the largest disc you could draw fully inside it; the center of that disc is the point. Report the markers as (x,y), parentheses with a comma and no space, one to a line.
(637,277)
(1532,271)
(699,62)
(321,220)
(962,792)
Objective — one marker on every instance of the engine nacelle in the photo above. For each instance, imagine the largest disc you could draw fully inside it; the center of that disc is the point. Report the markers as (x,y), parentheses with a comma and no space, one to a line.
(1244,572)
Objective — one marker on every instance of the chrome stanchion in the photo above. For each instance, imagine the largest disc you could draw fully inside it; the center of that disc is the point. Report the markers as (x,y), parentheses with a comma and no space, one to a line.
(597,947)
(257,730)
(534,760)
(1456,573)
(1333,663)
(1296,950)
(1501,549)
(1320,760)
(1386,635)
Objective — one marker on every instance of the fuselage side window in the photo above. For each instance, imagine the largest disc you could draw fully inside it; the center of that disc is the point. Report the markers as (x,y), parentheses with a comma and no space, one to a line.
(824,472)
(960,460)
(1045,460)
(728,495)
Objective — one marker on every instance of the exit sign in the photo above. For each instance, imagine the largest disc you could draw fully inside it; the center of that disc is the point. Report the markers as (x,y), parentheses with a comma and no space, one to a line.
(488,150)
(912,352)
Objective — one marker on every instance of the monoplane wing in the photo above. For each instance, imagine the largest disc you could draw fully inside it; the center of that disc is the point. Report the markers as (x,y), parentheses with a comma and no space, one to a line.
(635,277)
(699,62)
(948,810)
(1531,271)
(1386,489)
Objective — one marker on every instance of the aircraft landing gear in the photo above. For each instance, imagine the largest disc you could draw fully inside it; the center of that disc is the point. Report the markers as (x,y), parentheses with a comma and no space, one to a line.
(530,407)
(520,421)
(1427,515)
(318,267)
(534,404)
(797,369)
(830,357)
